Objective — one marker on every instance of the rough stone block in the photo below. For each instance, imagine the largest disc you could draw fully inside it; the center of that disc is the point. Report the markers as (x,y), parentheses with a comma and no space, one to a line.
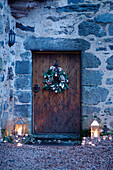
(90,61)
(23,96)
(0,63)
(4,120)
(75,1)
(111,6)
(111,47)
(58,44)
(1,77)
(111,124)
(89,110)
(1,5)
(1,25)
(87,28)
(101,49)
(94,95)
(26,56)
(92,78)
(6,105)
(23,111)
(110,29)
(23,67)
(24,28)
(109,111)
(109,102)
(79,8)
(107,40)
(104,18)
(23,82)
(0,110)
(109,63)
(109,81)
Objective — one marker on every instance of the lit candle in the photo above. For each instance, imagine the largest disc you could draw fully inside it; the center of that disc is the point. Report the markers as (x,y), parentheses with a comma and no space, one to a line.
(19,144)
(110,137)
(5,141)
(26,134)
(16,141)
(19,131)
(90,143)
(84,138)
(83,143)
(104,137)
(93,144)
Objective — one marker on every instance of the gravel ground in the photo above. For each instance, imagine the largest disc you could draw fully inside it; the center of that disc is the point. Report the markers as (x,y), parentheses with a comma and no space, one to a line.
(91,156)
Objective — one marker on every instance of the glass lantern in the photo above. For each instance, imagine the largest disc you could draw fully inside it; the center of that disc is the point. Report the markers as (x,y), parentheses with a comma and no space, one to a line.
(11,38)
(20,127)
(95,130)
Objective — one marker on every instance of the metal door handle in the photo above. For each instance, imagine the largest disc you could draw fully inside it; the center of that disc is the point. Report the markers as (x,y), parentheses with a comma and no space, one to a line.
(36,88)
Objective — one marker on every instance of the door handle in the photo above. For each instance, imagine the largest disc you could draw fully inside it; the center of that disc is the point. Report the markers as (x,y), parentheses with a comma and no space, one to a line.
(36,88)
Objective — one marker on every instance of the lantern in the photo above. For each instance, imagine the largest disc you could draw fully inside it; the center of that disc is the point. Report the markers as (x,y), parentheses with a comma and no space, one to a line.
(95,131)
(20,127)
(11,38)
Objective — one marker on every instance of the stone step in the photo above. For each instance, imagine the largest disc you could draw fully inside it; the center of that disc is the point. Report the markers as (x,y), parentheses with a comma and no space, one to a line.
(56,136)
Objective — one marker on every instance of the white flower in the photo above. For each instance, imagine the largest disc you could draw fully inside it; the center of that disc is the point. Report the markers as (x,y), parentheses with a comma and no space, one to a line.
(52,67)
(60,69)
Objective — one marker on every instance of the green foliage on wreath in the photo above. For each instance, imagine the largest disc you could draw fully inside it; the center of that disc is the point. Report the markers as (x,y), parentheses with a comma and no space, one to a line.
(55,79)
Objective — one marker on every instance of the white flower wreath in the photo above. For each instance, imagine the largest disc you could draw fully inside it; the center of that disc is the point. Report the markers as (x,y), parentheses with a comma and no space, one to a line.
(55,79)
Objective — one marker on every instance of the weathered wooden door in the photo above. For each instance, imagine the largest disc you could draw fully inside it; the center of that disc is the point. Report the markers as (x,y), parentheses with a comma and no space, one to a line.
(56,113)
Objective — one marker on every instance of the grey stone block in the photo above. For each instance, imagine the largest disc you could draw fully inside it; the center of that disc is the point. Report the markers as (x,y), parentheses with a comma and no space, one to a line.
(1,77)
(1,25)
(23,82)
(58,44)
(109,111)
(24,28)
(107,40)
(101,49)
(23,111)
(109,81)
(111,124)
(4,120)
(23,96)
(1,5)
(75,1)
(92,78)
(89,110)
(109,63)
(111,47)
(23,67)
(79,8)
(26,56)
(104,18)
(94,95)
(110,29)
(6,105)
(0,110)
(87,28)
(90,61)
(0,63)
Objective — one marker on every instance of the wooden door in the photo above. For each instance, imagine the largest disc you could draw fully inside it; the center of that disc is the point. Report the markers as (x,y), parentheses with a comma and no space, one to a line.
(57,113)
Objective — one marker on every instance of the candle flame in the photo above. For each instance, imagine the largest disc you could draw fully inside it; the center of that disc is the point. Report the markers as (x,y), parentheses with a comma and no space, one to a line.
(19,131)
(96,134)
(19,144)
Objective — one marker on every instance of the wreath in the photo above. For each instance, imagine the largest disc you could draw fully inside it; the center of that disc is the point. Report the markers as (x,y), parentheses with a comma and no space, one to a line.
(55,79)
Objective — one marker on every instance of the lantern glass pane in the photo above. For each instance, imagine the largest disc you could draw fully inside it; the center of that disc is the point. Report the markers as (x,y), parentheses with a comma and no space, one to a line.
(19,129)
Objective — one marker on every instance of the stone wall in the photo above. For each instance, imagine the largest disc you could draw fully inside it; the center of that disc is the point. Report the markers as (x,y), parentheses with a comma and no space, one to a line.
(85,25)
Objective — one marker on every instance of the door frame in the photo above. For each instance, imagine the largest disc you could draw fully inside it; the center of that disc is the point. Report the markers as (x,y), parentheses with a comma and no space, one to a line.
(74,52)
